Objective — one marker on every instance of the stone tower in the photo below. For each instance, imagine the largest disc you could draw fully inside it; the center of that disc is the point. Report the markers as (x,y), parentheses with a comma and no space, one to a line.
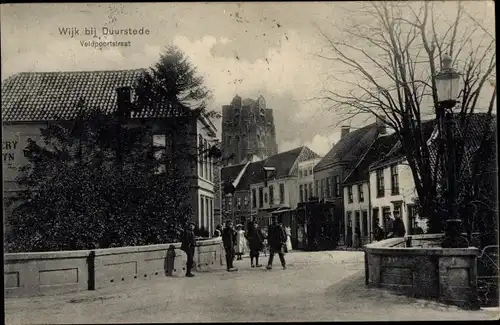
(248,129)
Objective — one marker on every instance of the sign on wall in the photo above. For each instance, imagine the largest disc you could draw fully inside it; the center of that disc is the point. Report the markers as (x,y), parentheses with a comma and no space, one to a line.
(13,146)
(11,151)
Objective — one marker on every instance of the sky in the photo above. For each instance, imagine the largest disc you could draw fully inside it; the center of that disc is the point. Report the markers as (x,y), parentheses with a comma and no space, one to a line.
(246,49)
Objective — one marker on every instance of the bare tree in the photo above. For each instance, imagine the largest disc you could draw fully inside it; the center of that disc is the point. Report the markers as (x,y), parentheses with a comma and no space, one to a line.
(391,52)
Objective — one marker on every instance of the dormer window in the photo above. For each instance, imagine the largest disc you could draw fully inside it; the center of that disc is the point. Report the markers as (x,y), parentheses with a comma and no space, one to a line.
(270,172)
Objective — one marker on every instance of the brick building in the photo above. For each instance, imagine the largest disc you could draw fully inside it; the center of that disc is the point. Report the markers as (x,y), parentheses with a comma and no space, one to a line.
(31,101)
(248,130)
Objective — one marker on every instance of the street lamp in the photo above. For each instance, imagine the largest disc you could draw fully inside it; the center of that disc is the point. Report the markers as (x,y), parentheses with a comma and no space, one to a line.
(448,90)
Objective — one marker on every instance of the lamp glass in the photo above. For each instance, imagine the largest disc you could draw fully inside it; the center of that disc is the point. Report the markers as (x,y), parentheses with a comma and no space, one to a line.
(448,86)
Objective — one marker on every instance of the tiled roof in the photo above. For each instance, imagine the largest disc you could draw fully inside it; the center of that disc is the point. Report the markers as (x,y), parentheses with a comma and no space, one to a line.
(41,96)
(379,148)
(397,150)
(228,175)
(284,161)
(472,133)
(253,174)
(284,164)
(350,148)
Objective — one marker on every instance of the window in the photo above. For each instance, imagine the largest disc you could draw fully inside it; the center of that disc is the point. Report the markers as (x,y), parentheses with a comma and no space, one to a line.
(322,189)
(205,159)
(261,197)
(211,217)
(349,219)
(375,217)
(349,194)
(386,213)
(301,193)
(305,193)
(207,214)
(200,149)
(310,191)
(316,189)
(327,194)
(380,183)
(271,195)
(159,144)
(238,203)
(394,180)
(310,170)
(356,220)
(337,186)
(282,193)
(254,198)
(245,201)
(202,211)
(361,195)
(397,208)
(364,231)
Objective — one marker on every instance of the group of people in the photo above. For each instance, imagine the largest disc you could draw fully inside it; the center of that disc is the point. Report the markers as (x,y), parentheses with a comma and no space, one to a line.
(395,227)
(236,240)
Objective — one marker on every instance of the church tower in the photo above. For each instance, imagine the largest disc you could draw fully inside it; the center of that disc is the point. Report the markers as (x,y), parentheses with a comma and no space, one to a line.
(248,130)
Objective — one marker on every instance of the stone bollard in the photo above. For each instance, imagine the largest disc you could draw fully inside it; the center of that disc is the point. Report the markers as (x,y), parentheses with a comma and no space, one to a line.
(170,260)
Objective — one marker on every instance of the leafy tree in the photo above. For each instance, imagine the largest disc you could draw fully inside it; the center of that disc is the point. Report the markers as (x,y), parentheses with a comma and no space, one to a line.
(76,197)
(391,52)
(98,181)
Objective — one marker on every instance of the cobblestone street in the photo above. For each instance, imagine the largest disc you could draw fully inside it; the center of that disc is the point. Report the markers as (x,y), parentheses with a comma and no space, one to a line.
(322,286)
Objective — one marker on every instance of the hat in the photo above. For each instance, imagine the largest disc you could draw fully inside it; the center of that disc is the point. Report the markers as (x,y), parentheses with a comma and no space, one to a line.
(191,223)
(239,225)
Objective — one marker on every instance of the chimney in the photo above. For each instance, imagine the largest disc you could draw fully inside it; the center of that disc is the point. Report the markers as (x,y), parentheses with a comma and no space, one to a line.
(382,128)
(344,130)
(123,100)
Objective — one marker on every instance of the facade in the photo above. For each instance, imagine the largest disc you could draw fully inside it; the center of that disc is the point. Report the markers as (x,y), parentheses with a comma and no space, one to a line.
(31,101)
(337,164)
(357,192)
(392,189)
(305,180)
(255,189)
(248,130)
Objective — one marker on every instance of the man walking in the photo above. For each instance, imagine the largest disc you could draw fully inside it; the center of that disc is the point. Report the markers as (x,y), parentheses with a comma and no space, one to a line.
(276,240)
(188,246)
(229,241)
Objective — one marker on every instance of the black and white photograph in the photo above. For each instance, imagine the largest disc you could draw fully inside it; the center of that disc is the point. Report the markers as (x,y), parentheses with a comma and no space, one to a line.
(205,162)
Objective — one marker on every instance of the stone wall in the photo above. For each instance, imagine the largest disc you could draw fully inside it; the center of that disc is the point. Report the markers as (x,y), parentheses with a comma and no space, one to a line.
(31,274)
(423,270)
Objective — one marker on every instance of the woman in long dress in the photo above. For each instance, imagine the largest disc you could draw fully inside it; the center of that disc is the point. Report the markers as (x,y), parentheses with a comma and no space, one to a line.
(288,232)
(240,241)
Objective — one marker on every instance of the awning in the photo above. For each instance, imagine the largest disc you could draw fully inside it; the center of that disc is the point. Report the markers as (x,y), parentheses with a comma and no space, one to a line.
(280,210)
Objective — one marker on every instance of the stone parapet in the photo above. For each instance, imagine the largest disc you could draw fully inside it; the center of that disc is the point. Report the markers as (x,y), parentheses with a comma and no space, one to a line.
(31,274)
(424,270)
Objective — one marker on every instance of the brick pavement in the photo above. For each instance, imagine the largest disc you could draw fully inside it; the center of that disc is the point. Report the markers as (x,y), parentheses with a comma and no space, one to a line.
(317,286)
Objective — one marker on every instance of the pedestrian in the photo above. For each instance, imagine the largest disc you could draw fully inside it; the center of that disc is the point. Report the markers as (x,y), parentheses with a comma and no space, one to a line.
(218,231)
(288,232)
(255,243)
(188,246)
(240,241)
(276,240)
(357,237)
(348,238)
(229,241)
(398,226)
(378,233)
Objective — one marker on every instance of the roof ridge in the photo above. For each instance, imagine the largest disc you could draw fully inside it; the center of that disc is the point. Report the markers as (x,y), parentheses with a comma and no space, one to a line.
(77,71)
(360,160)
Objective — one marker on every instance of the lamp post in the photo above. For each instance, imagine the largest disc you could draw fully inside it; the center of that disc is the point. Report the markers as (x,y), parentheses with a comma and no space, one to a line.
(448,89)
